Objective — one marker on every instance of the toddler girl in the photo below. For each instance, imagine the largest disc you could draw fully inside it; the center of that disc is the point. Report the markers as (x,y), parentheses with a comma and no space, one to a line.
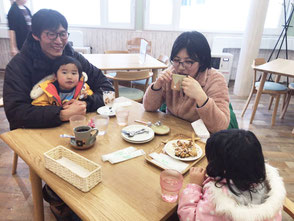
(239,186)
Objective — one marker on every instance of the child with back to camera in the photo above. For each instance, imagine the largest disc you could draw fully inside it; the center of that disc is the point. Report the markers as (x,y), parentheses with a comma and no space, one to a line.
(67,83)
(240,186)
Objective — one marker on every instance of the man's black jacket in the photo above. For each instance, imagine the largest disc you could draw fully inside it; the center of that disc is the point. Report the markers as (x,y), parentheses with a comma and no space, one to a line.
(25,70)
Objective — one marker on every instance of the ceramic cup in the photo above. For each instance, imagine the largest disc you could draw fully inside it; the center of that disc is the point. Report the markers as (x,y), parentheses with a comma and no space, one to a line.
(84,135)
(177,81)
(171,182)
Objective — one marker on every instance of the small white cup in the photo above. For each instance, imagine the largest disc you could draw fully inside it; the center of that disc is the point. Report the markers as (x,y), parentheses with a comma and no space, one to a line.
(122,116)
(101,123)
(77,120)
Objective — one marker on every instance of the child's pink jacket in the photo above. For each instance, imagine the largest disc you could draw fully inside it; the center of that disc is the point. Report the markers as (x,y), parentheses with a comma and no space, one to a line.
(211,203)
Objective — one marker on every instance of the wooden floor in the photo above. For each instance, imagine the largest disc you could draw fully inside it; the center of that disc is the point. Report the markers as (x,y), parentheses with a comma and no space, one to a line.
(277,142)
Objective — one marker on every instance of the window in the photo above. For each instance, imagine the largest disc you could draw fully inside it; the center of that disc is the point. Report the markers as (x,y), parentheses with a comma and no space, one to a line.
(207,15)
(93,13)
(87,13)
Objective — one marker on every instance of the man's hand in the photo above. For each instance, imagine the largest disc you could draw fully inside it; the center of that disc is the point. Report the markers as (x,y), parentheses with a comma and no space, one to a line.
(73,107)
(197,175)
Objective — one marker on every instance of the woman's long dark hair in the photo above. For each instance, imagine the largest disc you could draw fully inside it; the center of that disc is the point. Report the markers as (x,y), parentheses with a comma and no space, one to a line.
(236,156)
(197,48)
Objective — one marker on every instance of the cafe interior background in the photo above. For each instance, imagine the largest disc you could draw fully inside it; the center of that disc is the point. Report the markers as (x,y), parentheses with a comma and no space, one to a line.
(247,29)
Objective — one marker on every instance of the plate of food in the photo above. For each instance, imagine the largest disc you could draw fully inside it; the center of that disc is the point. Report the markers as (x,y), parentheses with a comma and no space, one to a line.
(183,150)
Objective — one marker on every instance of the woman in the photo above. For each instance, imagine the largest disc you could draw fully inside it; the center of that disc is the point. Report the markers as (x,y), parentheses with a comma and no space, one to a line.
(204,94)
(19,21)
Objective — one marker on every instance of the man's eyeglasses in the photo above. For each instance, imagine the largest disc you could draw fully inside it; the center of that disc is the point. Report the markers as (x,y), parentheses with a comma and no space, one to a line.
(186,64)
(53,35)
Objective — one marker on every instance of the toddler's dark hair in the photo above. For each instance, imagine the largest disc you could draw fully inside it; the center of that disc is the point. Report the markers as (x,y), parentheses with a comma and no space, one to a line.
(63,60)
(236,156)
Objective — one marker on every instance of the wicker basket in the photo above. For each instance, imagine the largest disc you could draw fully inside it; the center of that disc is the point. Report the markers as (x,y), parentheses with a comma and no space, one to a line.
(72,167)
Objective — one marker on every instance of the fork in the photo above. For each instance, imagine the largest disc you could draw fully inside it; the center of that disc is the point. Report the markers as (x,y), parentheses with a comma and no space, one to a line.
(133,133)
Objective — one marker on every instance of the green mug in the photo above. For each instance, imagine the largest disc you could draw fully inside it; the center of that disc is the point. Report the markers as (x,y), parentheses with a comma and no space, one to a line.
(177,81)
(84,135)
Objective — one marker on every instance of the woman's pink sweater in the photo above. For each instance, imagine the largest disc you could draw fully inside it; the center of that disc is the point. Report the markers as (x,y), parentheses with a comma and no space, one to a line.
(215,113)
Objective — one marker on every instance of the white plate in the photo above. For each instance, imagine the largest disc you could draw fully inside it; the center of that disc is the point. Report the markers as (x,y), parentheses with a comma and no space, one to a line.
(139,138)
(170,150)
(105,110)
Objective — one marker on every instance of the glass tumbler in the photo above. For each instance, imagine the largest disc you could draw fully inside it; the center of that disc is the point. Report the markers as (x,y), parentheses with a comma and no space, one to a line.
(171,182)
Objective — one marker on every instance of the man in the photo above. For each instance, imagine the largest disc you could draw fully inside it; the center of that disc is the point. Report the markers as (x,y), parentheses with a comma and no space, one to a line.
(47,41)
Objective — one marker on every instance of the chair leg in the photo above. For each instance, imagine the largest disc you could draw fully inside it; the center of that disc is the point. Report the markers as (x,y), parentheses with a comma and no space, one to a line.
(271,102)
(247,103)
(275,110)
(285,107)
(14,164)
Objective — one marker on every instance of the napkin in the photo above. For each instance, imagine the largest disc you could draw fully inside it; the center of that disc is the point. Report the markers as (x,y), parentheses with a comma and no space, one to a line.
(122,155)
(126,150)
(201,130)
(167,162)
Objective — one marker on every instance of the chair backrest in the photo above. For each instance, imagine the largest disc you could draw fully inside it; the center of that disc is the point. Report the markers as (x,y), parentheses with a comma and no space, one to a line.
(129,76)
(257,62)
(133,45)
(163,59)
(115,52)
(133,75)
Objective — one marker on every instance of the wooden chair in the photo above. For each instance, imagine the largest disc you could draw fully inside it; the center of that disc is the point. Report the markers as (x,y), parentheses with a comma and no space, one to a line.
(272,88)
(115,52)
(129,92)
(139,84)
(287,100)
(289,207)
(163,59)
(133,45)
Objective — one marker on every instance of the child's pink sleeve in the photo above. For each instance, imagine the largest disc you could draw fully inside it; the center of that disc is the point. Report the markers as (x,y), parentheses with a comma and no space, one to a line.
(188,201)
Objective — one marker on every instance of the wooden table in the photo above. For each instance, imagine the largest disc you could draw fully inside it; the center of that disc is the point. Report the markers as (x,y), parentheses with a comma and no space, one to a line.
(112,62)
(129,190)
(280,67)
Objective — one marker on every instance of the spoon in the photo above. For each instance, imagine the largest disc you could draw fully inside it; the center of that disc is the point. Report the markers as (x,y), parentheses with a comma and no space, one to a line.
(66,136)
(149,124)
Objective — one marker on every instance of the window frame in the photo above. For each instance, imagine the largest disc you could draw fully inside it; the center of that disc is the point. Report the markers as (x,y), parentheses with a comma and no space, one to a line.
(104,23)
(176,18)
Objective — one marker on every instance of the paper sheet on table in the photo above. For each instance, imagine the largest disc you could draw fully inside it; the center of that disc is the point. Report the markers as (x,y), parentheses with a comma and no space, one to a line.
(167,162)
(201,130)
(122,155)
(123,151)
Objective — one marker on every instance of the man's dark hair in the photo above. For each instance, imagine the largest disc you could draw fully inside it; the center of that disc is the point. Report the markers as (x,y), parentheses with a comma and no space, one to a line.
(197,48)
(63,60)
(47,19)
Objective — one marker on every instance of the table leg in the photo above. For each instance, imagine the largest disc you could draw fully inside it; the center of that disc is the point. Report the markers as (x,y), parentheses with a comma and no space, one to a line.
(258,94)
(36,183)
(155,73)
